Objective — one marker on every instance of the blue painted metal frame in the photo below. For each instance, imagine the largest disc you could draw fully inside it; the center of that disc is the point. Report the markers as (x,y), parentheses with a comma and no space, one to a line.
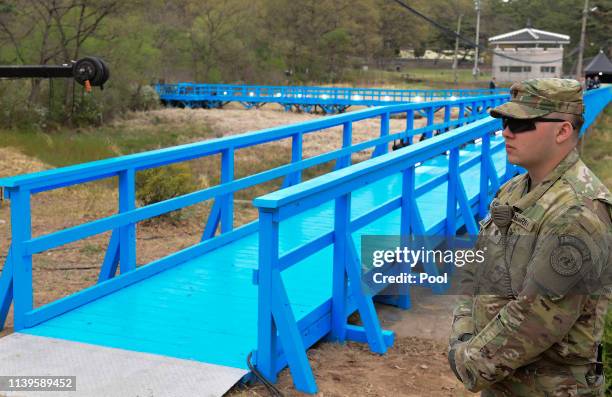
(330,100)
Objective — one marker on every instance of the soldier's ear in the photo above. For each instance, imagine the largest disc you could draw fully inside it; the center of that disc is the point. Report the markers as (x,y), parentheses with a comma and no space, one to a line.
(565,132)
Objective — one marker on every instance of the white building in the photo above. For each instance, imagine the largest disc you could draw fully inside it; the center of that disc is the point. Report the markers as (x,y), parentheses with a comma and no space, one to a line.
(527,53)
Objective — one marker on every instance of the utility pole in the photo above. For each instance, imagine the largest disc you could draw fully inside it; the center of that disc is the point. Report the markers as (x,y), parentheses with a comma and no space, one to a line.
(585,12)
(455,63)
(475,70)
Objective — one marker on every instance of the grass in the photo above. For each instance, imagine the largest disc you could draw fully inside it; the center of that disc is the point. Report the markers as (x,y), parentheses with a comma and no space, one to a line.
(597,154)
(418,78)
(68,147)
(597,148)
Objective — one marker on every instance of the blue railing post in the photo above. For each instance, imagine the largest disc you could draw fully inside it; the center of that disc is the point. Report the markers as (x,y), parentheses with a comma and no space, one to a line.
(409,124)
(227,201)
(451,195)
(21,224)
(6,289)
(274,312)
(461,114)
(407,195)
(342,217)
(266,329)
(430,120)
(127,234)
(447,117)
(296,155)
(407,221)
(485,154)
(347,141)
(384,131)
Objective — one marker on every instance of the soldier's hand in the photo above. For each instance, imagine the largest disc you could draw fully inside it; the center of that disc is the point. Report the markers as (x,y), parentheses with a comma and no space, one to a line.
(462,374)
(452,363)
(461,338)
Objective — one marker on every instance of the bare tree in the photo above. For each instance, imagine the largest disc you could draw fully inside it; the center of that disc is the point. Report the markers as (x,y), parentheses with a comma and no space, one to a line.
(45,31)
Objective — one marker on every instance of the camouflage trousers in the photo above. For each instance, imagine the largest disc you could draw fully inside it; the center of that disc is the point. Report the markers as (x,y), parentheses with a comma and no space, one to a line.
(547,379)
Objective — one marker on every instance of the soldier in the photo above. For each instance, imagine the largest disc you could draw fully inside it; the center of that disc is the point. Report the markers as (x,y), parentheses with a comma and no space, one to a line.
(533,323)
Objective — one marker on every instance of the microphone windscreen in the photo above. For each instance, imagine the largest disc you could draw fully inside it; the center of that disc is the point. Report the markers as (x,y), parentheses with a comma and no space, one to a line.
(502,215)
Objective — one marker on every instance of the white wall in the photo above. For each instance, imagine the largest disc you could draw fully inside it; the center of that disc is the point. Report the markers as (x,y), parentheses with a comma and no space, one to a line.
(552,57)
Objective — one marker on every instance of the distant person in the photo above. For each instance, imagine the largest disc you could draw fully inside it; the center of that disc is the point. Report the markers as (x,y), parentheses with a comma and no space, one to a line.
(596,82)
(492,84)
(589,83)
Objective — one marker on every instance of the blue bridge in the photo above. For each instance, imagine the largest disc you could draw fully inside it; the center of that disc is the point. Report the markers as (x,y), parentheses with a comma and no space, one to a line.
(328,100)
(272,287)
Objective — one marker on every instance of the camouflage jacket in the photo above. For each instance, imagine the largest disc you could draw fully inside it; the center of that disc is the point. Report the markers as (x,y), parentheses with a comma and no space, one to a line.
(542,296)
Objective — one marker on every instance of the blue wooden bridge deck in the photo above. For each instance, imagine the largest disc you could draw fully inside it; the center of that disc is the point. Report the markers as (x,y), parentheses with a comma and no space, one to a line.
(277,285)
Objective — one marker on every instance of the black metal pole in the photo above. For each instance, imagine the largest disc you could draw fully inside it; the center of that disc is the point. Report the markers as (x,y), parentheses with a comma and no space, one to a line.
(42,71)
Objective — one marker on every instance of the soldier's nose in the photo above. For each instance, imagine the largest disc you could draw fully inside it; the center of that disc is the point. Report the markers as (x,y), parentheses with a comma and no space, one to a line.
(506,133)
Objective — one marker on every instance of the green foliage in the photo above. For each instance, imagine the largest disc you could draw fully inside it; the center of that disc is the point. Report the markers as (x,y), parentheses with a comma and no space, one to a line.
(163,183)
(144,98)
(16,111)
(87,112)
(249,41)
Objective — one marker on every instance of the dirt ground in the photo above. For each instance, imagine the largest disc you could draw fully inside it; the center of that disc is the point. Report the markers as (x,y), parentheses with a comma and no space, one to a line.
(415,366)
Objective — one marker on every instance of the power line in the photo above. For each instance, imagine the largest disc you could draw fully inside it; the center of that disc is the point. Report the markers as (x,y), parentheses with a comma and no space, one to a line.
(473,44)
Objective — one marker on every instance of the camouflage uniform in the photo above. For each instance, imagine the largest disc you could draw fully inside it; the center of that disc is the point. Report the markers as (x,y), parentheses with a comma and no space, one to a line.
(534,319)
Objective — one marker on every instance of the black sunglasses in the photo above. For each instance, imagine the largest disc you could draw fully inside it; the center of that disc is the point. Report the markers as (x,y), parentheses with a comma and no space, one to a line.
(522,125)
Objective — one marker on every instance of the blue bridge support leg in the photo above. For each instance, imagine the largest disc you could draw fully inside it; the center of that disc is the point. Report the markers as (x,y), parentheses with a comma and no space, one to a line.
(6,289)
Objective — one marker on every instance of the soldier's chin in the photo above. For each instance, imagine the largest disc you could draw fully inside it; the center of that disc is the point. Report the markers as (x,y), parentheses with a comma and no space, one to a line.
(513,159)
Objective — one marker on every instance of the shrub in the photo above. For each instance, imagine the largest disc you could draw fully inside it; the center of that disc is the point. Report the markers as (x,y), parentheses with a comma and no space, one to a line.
(163,183)
(143,97)
(87,112)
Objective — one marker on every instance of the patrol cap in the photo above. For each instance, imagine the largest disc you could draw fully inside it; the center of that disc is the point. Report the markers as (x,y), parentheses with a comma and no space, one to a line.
(539,97)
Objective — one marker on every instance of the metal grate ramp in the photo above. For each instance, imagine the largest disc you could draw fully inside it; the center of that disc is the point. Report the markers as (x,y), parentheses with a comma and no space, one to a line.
(109,372)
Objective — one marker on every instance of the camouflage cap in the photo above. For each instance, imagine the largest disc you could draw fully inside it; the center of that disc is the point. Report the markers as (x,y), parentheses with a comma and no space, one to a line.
(538,97)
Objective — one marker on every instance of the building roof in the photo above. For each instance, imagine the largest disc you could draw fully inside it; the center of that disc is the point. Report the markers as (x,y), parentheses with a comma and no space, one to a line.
(600,63)
(531,36)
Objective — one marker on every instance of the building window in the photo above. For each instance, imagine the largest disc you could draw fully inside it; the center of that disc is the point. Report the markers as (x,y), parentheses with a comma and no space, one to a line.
(547,69)
(518,69)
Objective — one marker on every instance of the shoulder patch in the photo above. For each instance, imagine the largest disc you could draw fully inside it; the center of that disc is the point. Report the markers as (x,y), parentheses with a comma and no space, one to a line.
(567,259)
